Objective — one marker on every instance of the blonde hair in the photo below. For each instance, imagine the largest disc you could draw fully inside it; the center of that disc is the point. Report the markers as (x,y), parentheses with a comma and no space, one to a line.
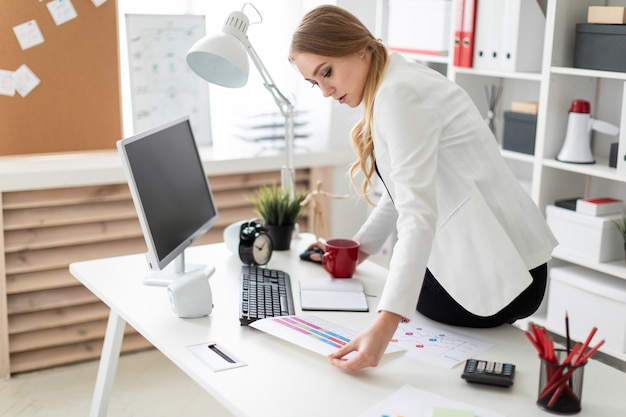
(331,31)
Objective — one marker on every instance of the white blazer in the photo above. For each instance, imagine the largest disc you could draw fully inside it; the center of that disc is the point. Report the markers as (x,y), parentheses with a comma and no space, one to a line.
(457,208)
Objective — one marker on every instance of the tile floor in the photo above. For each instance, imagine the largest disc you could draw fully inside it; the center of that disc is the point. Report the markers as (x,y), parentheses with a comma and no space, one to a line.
(147,384)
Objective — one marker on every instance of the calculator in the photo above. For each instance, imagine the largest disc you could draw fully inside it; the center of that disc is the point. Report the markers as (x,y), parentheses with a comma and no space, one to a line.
(488,372)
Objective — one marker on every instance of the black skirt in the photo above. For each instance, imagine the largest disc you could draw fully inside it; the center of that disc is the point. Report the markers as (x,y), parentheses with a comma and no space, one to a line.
(435,303)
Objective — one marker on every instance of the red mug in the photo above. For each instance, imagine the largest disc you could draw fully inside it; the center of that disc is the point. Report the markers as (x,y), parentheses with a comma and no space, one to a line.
(340,257)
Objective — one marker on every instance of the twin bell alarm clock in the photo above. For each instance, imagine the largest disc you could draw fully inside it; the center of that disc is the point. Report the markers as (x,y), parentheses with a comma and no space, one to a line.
(250,241)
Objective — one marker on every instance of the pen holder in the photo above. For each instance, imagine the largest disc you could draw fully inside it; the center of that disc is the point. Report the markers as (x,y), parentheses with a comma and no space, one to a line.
(560,386)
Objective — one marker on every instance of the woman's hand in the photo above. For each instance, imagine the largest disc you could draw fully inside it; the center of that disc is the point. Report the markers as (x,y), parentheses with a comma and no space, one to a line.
(313,252)
(369,345)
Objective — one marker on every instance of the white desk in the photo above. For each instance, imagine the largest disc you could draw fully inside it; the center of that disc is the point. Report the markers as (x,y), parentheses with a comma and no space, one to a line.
(281,379)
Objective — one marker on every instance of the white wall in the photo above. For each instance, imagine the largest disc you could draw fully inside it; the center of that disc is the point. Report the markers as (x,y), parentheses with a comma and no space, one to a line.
(270,38)
(331,122)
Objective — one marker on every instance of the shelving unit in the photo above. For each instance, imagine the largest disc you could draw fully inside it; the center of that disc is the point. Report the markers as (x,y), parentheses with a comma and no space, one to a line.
(561,84)
(554,88)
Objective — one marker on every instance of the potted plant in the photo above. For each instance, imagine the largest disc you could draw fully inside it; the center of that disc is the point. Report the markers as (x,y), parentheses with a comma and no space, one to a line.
(279,212)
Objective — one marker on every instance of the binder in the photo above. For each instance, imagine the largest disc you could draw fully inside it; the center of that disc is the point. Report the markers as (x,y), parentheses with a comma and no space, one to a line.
(521,49)
(621,146)
(487,39)
(458,27)
(467,34)
(420,26)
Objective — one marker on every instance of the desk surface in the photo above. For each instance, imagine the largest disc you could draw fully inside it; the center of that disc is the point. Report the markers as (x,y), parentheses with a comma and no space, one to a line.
(281,379)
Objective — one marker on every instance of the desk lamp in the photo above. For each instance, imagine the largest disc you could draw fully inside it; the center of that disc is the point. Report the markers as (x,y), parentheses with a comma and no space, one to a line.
(221,59)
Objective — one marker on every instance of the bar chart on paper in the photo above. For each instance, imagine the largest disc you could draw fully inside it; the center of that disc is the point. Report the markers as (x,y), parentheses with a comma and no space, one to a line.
(437,346)
(310,332)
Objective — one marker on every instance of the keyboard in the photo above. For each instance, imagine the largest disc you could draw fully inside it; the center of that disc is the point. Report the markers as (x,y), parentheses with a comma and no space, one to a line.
(265,293)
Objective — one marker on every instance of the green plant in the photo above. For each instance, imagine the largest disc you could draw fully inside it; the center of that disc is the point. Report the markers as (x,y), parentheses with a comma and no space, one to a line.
(275,206)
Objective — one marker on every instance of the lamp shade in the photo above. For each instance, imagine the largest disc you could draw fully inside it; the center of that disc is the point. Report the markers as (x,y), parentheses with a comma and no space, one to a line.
(222,59)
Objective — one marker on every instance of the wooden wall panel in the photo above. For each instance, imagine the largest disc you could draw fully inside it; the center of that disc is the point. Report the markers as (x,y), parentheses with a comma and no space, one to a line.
(49,318)
(4,320)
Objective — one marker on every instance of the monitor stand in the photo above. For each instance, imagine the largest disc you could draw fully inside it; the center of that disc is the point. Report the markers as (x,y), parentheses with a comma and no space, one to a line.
(176,269)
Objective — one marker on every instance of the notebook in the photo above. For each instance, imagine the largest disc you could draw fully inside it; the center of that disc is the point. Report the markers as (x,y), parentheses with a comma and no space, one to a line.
(332,294)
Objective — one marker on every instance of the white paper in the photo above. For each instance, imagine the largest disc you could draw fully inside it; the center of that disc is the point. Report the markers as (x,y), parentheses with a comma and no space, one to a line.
(437,346)
(7,83)
(28,34)
(332,294)
(62,11)
(310,332)
(409,401)
(98,3)
(25,80)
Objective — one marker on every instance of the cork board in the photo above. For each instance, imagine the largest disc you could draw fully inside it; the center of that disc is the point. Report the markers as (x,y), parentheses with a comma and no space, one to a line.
(76,105)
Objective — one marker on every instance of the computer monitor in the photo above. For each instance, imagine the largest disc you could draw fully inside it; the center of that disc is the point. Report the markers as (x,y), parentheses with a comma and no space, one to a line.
(171,194)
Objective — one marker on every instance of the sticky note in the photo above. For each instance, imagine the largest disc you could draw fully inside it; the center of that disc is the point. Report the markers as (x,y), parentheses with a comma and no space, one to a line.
(7,83)
(451,412)
(61,11)
(28,34)
(25,80)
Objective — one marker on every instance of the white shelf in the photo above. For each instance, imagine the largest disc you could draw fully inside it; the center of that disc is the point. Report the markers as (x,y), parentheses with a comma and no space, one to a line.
(616,268)
(529,76)
(600,169)
(517,156)
(579,72)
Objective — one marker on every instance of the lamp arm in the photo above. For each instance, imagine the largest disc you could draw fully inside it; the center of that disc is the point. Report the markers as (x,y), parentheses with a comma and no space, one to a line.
(286,108)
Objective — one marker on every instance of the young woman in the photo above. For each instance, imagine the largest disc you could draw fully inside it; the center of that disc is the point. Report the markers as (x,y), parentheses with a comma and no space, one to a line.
(471,246)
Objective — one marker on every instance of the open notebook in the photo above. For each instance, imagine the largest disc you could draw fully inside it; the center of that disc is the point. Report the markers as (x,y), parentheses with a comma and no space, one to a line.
(332,294)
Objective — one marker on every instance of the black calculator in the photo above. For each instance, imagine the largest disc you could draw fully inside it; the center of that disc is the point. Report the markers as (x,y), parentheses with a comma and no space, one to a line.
(490,373)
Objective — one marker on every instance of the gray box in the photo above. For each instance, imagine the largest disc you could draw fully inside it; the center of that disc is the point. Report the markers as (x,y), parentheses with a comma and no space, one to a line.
(600,47)
(519,132)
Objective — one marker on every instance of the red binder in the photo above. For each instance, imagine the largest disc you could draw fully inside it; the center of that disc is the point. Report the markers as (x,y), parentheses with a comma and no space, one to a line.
(467,33)
(458,27)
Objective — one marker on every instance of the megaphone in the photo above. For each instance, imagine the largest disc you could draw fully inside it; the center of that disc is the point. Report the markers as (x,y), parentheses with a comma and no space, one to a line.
(576,148)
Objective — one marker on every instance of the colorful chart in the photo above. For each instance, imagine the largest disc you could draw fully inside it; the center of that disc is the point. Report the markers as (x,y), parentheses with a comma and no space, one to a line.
(310,329)
(435,345)
(311,332)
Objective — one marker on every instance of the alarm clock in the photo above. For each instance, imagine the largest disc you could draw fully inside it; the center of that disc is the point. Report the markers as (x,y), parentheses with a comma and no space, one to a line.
(255,244)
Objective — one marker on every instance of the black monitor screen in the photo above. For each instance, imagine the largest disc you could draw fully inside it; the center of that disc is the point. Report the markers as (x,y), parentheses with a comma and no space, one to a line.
(173,190)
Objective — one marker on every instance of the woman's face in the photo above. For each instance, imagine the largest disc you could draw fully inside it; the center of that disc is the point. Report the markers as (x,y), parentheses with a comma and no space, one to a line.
(341,78)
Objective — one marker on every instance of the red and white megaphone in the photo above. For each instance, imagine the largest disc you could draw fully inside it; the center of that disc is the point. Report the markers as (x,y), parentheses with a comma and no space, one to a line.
(577,145)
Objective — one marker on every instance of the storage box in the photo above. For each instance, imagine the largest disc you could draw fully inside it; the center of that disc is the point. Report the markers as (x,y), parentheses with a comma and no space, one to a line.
(600,47)
(594,238)
(419,26)
(519,132)
(527,107)
(615,15)
(590,298)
